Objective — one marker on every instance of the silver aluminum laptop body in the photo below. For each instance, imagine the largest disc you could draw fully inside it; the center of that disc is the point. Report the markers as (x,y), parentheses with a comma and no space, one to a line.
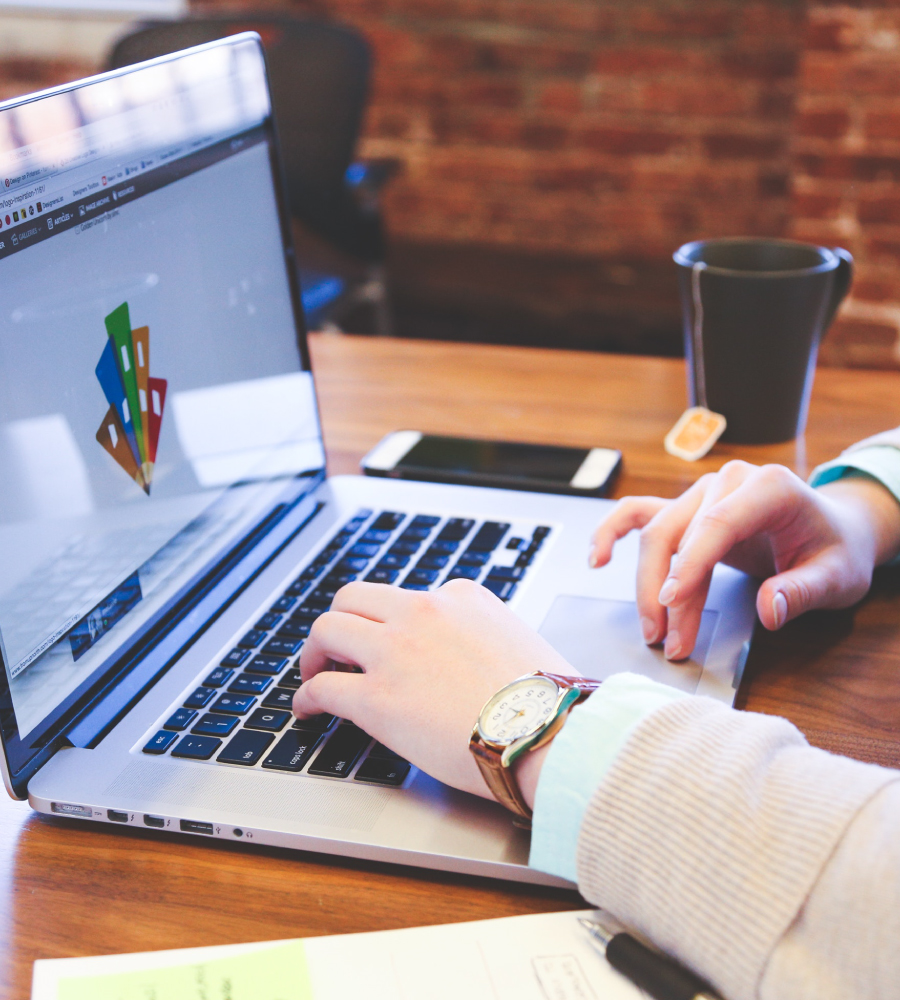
(159,436)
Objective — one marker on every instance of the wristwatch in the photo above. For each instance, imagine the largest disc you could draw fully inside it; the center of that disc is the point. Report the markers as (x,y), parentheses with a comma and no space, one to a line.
(524,715)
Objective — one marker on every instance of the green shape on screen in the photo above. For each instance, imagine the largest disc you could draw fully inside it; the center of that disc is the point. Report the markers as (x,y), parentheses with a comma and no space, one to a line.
(118,329)
(278,973)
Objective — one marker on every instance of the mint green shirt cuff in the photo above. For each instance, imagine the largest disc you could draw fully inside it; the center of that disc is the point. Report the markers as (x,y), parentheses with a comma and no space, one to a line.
(880,461)
(578,759)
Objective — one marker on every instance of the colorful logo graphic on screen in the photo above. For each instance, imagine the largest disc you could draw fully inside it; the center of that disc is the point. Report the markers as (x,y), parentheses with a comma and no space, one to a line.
(130,429)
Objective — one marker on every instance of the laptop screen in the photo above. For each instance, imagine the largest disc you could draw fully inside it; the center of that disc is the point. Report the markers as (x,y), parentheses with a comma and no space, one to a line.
(155,397)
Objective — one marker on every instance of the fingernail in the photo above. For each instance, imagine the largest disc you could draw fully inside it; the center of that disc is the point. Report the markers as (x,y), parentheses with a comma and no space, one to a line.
(779,609)
(648,627)
(592,559)
(669,591)
(673,646)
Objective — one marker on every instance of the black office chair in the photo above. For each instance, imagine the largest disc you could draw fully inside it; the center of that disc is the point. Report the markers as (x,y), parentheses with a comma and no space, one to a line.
(319,75)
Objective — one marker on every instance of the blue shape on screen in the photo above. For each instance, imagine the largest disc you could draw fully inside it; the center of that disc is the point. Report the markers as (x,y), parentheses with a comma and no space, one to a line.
(111,382)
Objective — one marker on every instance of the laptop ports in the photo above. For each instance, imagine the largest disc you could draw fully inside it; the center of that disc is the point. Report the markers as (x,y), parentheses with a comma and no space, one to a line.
(155,821)
(114,816)
(192,826)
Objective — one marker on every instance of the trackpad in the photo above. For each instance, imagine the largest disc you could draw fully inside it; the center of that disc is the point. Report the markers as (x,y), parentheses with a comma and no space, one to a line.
(601,637)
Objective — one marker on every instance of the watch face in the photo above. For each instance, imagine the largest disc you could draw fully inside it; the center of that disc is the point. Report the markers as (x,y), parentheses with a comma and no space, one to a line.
(518,710)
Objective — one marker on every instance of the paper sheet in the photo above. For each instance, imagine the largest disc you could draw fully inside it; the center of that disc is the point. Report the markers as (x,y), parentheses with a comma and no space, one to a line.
(538,957)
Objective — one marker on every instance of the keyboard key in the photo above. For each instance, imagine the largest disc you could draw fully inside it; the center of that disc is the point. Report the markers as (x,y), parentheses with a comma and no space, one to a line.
(252,639)
(268,620)
(414,533)
(383,575)
(348,565)
(246,748)
(380,771)
(393,561)
(282,647)
(315,723)
(309,610)
(515,543)
(269,719)
(502,588)
(218,677)
(464,572)
(234,704)
(540,533)
(250,684)
(180,719)
(380,750)
(297,588)
(161,742)
(215,725)
(199,698)
(267,665)
(283,604)
(406,585)
(442,546)
(324,594)
(292,751)
(424,521)
(372,537)
(421,576)
(456,529)
(432,562)
(298,629)
(338,580)
(341,752)
(407,547)
(505,573)
(488,536)
(473,558)
(279,698)
(386,521)
(363,551)
(235,658)
(196,747)
(291,679)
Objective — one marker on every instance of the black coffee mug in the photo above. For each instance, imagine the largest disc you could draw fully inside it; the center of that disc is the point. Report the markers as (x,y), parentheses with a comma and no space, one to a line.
(754,312)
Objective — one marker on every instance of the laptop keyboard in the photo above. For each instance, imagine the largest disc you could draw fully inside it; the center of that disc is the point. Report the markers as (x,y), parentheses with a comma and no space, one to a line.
(240,711)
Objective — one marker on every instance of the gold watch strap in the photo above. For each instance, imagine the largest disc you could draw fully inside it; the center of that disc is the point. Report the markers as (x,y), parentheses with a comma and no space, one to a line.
(499,778)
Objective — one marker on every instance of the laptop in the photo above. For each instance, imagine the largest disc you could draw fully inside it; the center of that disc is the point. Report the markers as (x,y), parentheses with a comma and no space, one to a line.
(168,533)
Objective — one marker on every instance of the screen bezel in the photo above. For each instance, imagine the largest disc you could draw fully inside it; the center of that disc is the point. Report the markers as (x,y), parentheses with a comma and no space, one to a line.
(19,762)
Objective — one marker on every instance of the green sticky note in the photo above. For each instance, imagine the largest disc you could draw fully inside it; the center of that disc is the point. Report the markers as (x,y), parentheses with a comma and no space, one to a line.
(278,973)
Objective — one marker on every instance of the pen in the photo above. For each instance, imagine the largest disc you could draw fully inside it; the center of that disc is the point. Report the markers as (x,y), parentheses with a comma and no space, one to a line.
(660,976)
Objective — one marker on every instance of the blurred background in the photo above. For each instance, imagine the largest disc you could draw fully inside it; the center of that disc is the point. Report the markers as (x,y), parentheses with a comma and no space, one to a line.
(531,165)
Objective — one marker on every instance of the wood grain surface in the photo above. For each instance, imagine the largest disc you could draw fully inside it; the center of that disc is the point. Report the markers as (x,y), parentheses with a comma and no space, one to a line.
(67,888)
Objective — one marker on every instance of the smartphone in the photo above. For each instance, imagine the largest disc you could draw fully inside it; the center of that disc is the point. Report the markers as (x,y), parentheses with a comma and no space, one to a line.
(511,465)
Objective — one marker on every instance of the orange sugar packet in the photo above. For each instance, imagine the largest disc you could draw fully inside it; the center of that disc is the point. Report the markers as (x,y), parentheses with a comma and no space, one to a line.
(696,431)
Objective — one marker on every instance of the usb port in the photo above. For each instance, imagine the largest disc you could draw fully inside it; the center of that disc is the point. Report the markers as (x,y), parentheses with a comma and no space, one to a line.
(116,816)
(154,820)
(192,826)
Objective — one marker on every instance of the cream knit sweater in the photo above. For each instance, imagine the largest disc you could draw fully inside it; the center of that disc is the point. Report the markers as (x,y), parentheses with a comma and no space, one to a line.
(769,867)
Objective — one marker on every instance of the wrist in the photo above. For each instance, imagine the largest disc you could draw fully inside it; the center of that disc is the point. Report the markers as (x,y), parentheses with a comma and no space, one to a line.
(527,771)
(872,504)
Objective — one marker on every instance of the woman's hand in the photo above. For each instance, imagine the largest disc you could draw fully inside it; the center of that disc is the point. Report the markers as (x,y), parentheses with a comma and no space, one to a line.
(430,661)
(814,548)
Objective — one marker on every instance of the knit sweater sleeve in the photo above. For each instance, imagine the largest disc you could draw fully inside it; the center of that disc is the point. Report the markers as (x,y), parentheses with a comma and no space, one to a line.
(735,846)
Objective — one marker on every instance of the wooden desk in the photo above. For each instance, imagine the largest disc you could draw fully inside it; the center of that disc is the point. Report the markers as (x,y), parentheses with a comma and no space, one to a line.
(67,889)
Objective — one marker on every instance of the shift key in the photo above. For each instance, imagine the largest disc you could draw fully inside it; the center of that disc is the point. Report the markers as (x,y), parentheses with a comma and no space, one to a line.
(341,752)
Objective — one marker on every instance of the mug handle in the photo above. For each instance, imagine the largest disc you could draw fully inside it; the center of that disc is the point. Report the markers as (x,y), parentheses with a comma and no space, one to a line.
(843,278)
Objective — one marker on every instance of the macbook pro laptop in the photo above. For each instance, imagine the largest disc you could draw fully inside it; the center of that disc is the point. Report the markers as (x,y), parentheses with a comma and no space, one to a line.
(168,534)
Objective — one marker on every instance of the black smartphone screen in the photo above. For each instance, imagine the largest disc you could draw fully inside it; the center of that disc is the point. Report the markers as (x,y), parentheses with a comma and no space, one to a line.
(504,459)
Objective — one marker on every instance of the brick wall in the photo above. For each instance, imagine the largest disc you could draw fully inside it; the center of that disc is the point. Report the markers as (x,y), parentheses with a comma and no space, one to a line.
(614,130)
(581,126)
(846,167)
